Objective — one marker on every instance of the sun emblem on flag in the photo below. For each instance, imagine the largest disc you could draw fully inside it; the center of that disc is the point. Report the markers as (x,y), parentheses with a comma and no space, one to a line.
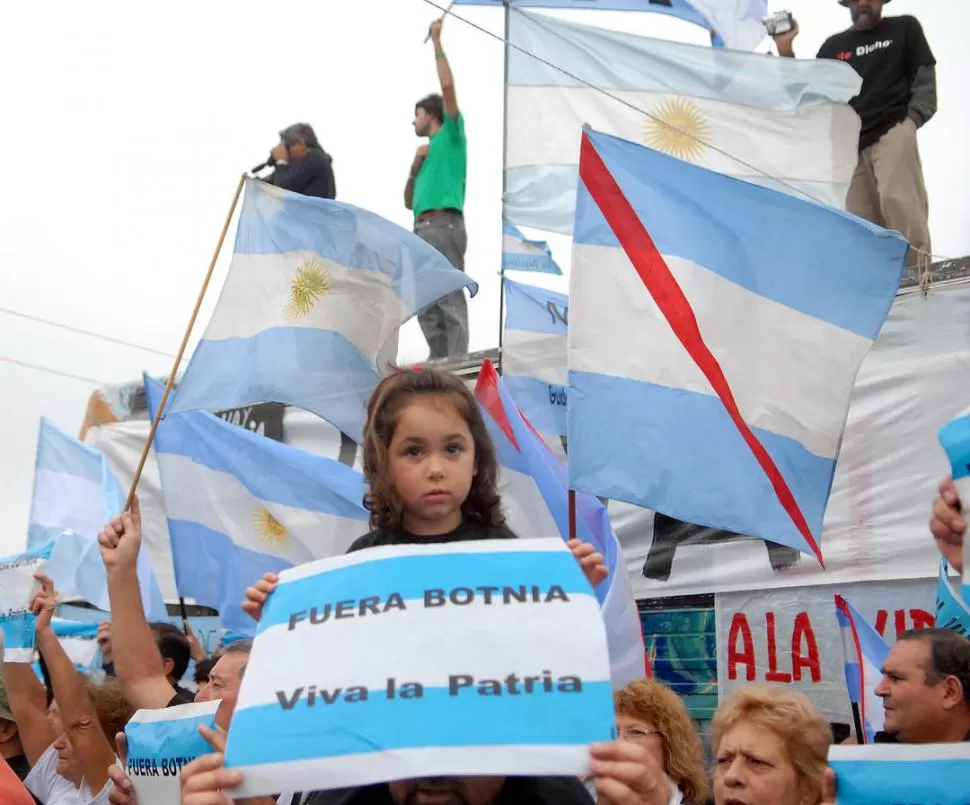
(269,530)
(309,283)
(677,127)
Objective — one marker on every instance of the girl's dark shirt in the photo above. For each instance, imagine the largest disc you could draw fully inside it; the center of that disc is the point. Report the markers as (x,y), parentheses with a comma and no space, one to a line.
(468,530)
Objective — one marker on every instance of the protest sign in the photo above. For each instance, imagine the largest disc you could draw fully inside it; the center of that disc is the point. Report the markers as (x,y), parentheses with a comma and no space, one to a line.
(160,744)
(952,612)
(794,640)
(915,774)
(469,658)
(17,583)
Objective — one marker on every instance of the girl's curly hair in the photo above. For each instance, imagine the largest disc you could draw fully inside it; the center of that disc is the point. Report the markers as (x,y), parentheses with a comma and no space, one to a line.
(394,393)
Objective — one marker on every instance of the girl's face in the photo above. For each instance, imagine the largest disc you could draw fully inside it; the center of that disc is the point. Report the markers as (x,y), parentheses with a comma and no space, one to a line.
(431,460)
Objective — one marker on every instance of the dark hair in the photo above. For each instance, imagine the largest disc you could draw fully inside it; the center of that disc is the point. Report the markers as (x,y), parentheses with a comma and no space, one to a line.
(949,656)
(172,645)
(244,646)
(203,669)
(434,105)
(394,393)
(299,132)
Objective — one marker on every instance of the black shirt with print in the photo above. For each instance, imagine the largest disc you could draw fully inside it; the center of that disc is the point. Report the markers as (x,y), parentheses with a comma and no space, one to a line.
(887,58)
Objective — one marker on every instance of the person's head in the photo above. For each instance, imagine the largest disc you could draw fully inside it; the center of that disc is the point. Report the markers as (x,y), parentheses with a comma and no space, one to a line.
(925,687)
(653,716)
(298,139)
(113,711)
(866,14)
(224,680)
(10,745)
(203,669)
(770,747)
(174,647)
(428,458)
(429,115)
(447,790)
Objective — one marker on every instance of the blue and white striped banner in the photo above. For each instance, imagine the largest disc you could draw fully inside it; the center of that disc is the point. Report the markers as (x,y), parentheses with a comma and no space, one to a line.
(160,744)
(17,584)
(916,774)
(479,658)
(955,438)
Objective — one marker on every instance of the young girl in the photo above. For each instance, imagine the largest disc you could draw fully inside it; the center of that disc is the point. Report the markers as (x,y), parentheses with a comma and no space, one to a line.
(432,472)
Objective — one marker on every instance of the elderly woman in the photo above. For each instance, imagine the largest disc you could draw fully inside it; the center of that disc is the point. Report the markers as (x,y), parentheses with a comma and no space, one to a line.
(650,714)
(770,748)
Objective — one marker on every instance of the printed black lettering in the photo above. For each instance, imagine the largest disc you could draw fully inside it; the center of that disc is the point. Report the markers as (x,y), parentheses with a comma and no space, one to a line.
(412,690)
(369,604)
(486,593)
(345,609)
(295,618)
(394,601)
(317,617)
(434,598)
(556,593)
(460,593)
(456,683)
(289,702)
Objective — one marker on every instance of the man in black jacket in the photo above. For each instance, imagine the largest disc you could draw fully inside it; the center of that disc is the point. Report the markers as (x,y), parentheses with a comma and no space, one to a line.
(301,164)
(898,97)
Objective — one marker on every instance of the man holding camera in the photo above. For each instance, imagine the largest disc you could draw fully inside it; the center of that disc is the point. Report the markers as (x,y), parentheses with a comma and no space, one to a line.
(898,96)
(301,164)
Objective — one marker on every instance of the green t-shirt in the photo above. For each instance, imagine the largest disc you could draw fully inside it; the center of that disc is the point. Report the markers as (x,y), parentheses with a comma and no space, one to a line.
(440,184)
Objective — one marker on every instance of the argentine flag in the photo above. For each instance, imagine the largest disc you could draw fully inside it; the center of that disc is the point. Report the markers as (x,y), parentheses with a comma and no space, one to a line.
(240,505)
(864,652)
(715,334)
(534,354)
(315,289)
(521,254)
(75,494)
(535,497)
(783,123)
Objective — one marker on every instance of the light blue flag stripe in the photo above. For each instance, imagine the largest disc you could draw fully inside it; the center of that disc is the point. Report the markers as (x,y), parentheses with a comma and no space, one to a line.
(522,254)
(951,612)
(168,740)
(57,451)
(445,722)
(411,576)
(928,774)
(837,267)
(535,310)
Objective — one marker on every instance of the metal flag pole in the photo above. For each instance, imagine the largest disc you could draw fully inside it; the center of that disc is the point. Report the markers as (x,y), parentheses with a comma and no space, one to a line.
(181,351)
(505,148)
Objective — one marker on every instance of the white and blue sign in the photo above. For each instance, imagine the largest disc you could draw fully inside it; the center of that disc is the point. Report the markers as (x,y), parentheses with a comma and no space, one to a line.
(888,774)
(17,584)
(955,438)
(477,658)
(161,743)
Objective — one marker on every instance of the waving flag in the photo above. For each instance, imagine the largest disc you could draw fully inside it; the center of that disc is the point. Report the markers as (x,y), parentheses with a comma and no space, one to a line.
(955,438)
(534,354)
(535,494)
(240,505)
(716,332)
(521,254)
(783,123)
(315,289)
(75,494)
(865,652)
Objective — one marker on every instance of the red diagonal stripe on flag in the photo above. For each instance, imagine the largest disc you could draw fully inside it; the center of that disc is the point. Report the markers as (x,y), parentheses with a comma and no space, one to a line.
(842,605)
(656,276)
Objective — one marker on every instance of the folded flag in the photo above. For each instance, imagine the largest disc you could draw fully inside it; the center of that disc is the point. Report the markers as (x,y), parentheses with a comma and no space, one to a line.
(314,290)
(715,334)
(952,612)
(75,494)
(534,354)
(240,505)
(535,496)
(864,652)
(783,123)
(520,254)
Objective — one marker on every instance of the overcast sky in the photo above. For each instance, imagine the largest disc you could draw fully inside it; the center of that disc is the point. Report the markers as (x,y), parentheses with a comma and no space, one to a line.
(126,126)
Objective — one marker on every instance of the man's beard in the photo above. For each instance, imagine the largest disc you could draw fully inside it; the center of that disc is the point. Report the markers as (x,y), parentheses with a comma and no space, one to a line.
(864,19)
(453,787)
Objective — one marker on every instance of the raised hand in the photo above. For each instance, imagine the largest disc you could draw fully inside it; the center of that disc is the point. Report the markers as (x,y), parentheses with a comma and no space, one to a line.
(258,594)
(626,774)
(120,539)
(947,524)
(43,603)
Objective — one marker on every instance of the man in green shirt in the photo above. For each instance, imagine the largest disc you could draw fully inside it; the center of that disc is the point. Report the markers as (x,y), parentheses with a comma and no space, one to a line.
(435,192)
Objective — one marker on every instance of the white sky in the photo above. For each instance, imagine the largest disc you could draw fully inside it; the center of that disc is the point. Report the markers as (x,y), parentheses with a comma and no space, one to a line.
(126,126)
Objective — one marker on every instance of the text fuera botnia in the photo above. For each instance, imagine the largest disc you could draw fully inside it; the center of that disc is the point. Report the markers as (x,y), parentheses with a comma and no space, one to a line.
(457,596)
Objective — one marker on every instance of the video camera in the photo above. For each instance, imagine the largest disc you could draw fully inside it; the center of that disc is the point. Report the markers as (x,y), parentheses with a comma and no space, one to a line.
(781,22)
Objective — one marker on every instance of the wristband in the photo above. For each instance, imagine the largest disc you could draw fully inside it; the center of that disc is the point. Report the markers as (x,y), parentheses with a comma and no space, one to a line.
(439,53)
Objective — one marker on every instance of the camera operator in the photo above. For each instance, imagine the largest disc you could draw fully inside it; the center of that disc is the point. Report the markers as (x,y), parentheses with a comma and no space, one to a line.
(301,165)
(898,96)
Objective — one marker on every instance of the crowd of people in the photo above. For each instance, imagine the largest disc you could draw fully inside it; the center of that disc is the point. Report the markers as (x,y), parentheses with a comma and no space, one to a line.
(432,477)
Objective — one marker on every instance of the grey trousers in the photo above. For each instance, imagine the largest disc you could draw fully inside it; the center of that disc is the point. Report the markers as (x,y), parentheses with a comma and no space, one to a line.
(445,324)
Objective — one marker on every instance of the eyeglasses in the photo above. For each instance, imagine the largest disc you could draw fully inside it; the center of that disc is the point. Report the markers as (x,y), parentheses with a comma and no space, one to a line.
(636,733)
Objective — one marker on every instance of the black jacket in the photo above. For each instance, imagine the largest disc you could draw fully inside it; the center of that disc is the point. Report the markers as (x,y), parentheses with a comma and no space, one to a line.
(311,175)
(516,791)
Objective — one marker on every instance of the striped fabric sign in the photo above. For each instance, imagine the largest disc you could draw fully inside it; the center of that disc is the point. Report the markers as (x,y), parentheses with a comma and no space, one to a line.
(477,658)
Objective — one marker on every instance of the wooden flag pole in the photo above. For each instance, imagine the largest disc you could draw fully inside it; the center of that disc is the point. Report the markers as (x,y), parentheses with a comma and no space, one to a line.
(185,341)
(447,12)
(572,514)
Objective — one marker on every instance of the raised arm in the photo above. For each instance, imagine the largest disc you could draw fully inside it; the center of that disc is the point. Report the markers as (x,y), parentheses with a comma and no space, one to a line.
(77,711)
(445,78)
(28,703)
(137,662)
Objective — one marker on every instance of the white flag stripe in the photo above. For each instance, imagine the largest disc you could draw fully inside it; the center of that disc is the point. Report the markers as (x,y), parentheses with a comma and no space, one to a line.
(354,650)
(539,355)
(66,502)
(811,390)
(526,511)
(258,288)
(554,117)
(219,501)
(375,767)
(79,650)
(486,546)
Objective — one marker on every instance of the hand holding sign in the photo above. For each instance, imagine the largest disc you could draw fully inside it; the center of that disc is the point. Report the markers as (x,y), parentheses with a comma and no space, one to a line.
(590,560)
(948,525)
(120,539)
(626,774)
(257,595)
